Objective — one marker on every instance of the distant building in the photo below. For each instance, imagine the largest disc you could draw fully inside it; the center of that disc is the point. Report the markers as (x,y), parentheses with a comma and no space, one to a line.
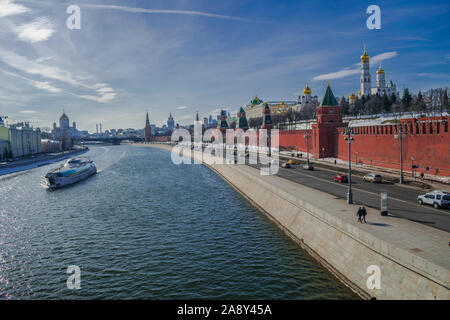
(170,123)
(304,99)
(147,129)
(365,81)
(255,108)
(65,134)
(19,140)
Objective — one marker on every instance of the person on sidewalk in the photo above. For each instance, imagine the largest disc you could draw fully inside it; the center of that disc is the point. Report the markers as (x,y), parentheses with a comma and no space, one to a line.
(360,214)
(364,213)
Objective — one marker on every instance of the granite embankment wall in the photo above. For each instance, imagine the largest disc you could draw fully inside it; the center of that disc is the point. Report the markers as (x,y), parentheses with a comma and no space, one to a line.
(413,258)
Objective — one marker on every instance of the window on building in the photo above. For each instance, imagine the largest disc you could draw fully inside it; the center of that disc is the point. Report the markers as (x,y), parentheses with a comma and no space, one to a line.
(431,127)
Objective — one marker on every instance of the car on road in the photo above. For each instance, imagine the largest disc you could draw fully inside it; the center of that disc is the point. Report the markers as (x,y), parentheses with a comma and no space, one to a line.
(437,198)
(308,167)
(341,178)
(292,162)
(372,177)
(285,165)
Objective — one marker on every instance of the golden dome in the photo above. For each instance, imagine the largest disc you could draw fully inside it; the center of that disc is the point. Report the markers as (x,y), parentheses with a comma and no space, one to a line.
(365,57)
(352,96)
(307,90)
(380,70)
(359,93)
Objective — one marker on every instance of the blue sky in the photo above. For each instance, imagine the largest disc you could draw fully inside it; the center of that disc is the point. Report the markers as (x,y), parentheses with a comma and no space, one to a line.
(184,56)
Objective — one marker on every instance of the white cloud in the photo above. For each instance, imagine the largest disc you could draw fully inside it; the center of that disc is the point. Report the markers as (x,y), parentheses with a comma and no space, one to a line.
(348,72)
(39,30)
(336,75)
(28,111)
(142,10)
(104,94)
(42,85)
(383,56)
(8,8)
(182,107)
(32,67)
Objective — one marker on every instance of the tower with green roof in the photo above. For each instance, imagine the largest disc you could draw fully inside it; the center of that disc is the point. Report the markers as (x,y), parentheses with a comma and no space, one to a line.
(242,123)
(325,131)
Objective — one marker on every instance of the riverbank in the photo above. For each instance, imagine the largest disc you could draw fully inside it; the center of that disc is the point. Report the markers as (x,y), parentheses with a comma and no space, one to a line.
(412,258)
(38,161)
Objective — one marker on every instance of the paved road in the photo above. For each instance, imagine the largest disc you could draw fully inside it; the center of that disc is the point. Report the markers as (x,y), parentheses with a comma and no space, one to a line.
(402,201)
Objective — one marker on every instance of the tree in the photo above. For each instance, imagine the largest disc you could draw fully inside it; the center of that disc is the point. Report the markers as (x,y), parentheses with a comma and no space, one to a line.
(345,106)
(393,98)
(374,104)
(445,98)
(406,99)
(420,102)
(386,103)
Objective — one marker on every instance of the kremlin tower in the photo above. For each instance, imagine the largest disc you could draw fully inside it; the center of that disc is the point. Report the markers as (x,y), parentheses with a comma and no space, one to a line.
(148,129)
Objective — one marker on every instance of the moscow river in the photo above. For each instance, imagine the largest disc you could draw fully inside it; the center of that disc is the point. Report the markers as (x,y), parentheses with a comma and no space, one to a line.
(144,228)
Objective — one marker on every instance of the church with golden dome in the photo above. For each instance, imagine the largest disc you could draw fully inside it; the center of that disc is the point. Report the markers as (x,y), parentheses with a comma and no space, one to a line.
(306,98)
(365,81)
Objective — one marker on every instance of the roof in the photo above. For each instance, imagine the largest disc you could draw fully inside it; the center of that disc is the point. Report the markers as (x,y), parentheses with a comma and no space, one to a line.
(329,99)
(64,116)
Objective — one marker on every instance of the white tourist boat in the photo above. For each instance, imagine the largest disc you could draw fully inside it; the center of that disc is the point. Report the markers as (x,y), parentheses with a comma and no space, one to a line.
(73,171)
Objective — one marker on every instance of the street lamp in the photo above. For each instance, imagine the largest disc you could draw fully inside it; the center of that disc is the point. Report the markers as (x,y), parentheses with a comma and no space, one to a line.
(401,136)
(307,136)
(348,137)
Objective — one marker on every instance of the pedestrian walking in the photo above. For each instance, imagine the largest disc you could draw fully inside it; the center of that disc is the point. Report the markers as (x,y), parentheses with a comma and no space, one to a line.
(334,161)
(359,214)
(364,213)
(422,176)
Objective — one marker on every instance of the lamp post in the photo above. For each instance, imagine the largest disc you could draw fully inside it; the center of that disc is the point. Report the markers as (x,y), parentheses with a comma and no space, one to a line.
(401,136)
(307,136)
(348,137)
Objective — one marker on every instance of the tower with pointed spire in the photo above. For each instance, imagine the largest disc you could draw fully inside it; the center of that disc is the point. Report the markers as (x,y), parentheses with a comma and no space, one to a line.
(170,122)
(242,123)
(147,129)
(324,131)
(365,74)
(223,123)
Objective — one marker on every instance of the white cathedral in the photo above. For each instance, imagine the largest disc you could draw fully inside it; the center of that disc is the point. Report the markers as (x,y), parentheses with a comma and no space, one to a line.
(366,86)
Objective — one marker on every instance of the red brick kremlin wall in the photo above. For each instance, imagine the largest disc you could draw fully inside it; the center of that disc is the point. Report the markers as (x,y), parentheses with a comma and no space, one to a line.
(426,140)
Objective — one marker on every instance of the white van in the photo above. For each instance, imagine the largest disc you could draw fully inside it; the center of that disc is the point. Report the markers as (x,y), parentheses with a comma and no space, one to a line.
(437,198)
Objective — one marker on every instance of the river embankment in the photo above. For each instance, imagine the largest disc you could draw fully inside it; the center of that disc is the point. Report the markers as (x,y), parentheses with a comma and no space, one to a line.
(38,161)
(388,258)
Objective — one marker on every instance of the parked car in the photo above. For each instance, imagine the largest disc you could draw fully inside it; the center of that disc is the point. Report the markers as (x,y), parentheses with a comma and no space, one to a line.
(285,165)
(308,167)
(372,177)
(341,178)
(437,198)
(292,162)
